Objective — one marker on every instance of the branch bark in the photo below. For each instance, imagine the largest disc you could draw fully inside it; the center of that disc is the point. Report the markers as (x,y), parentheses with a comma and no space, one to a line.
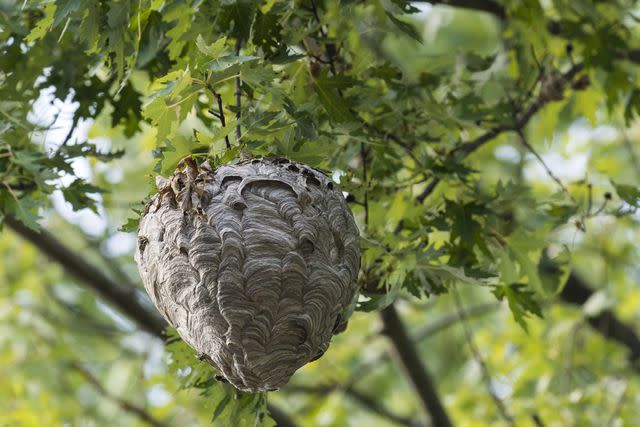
(122,403)
(606,323)
(488,6)
(395,330)
(363,399)
(238,95)
(125,300)
(280,417)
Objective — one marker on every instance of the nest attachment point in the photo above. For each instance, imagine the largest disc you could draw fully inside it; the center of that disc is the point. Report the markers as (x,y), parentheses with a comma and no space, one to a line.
(254,264)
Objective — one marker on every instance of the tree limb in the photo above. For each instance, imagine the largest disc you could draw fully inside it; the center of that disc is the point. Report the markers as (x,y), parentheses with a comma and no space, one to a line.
(238,95)
(477,355)
(395,330)
(122,403)
(453,318)
(125,300)
(577,292)
(280,417)
(488,6)
(359,397)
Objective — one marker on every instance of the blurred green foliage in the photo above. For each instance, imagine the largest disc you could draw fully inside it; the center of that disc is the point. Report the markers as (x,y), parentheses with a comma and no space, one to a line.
(487,154)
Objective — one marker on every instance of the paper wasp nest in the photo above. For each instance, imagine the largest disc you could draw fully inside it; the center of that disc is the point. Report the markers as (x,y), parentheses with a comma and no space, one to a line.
(254,264)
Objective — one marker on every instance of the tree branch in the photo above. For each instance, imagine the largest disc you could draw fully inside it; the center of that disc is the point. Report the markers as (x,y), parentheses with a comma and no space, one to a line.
(577,292)
(366,368)
(395,330)
(122,403)
(477,355)
(220,113)
(125,300)
(488,6)
(523,141)
(451,319)
(551,90)
(238,94)
(359,397)
(280,417)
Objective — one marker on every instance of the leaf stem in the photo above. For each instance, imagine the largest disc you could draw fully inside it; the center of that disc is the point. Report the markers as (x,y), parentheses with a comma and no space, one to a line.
(220,114)
(238,94)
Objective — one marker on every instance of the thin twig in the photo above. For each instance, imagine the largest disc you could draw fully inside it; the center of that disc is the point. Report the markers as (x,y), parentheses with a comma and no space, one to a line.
(363,157)
(122,403)
(238,94)
(330,47)
(220,113)
(521,120)
(523,141)
(537,420)
(451,319)
(484,368)
(428,190)
(367,401)
(632,153)
(618,407)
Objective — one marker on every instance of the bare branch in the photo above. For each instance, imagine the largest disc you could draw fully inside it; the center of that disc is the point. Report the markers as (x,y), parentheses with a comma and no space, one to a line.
(428,189)
(484,368)
(453,318)
(220,113)
(577,292)
(125,300)
(238,94)
(359,397)
(488,6)
(124,404)
(280,417)
(521,119)
(523,141)
(365,182)
(537,420)
(395,330)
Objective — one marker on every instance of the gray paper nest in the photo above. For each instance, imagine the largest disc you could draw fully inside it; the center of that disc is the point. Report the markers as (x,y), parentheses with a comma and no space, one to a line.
(254,264)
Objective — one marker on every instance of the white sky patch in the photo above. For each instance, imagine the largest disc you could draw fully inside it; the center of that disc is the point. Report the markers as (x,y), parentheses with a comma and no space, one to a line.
(501,387)
(158,396)
(572,166)
(507,153)
(137,341)
(119,244)
(91,223)
(155,363)
(57,116)
(118,319)
(572,169)
(433,21)
(425,10)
